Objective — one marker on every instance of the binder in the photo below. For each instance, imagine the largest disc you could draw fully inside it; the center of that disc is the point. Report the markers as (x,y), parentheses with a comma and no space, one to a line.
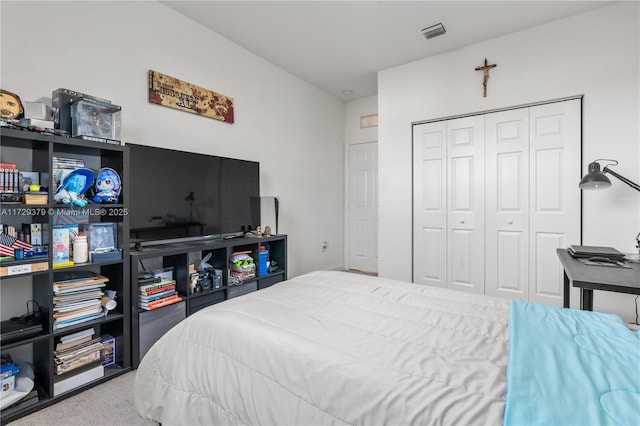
(595,251)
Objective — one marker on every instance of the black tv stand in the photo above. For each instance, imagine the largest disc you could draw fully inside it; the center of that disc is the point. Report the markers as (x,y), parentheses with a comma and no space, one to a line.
(148,326)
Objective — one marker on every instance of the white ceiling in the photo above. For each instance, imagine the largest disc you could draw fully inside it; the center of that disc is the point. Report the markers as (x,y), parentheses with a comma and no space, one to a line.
(341,45)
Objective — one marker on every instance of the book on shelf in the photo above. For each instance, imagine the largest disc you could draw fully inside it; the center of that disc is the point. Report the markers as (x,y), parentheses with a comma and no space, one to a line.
(73,285)
(68,299)
(62,165)
(155,291)
(78,351)
(157,296)
(67,323)
(69,338)
(160,303)
(70,355)
(157,285)
(62,307)
(77,313)
(78,362)
(64,346)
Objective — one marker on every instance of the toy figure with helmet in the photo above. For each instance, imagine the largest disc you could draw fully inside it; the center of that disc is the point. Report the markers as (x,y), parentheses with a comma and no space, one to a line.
(72,186)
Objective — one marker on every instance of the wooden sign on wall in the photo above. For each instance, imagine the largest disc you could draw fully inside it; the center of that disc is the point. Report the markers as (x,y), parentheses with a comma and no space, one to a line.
(178,94)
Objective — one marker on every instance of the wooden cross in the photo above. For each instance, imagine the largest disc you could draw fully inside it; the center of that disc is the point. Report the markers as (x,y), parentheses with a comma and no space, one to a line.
(485,69)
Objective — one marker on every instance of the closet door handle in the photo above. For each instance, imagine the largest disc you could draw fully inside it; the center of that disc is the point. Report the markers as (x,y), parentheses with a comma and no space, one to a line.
(461,220)
(510,222)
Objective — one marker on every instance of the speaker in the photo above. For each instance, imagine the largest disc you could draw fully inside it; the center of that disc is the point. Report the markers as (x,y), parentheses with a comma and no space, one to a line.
(269,213)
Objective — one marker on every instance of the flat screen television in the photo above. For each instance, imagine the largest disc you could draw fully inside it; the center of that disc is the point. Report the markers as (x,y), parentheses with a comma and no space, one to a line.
(177,194)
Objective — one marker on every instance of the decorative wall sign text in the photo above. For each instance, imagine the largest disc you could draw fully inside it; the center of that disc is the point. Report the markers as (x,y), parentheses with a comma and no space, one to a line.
(178,94)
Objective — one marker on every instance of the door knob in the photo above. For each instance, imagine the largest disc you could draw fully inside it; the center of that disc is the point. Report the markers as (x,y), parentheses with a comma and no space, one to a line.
(461,220)
(510,222)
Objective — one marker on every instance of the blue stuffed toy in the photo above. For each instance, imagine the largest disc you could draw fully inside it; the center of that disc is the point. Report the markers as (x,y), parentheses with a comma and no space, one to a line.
(72,186)
(107,186)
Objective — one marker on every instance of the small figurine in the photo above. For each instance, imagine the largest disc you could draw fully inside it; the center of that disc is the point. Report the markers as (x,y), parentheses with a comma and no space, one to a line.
(258,231)
(107,186)
(267,231)
(73,185)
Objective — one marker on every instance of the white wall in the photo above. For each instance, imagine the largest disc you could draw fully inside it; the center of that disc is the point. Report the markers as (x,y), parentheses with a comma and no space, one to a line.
(595,54)
(106,48)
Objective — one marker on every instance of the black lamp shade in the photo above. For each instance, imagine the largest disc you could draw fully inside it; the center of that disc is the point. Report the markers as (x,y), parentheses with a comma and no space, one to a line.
(595,179)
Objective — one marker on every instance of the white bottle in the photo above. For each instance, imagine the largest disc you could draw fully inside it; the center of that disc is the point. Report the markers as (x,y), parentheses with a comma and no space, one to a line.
(80,249)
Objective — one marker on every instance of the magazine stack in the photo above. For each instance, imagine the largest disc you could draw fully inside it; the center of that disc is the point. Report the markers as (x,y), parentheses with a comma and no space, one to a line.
(77,349)
(77,297)
(157,293)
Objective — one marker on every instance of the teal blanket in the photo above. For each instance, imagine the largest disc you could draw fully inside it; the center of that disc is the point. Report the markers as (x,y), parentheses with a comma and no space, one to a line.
(570,367)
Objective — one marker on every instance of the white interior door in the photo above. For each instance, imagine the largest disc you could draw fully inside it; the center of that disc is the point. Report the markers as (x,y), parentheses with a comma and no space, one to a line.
(507,204)
(363,207)
(430,204)
(554,144)
(465,200)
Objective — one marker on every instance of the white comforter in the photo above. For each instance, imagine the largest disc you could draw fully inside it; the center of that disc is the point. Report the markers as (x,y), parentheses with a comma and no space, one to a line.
(332,348)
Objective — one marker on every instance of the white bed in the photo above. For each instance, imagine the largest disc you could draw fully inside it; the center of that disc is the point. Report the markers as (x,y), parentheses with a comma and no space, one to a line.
(333,348)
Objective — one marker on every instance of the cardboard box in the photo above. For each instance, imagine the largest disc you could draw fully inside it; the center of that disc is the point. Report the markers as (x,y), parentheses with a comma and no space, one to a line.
(38,110)
(23,268)
(77,380)
(108,353)
(7,385)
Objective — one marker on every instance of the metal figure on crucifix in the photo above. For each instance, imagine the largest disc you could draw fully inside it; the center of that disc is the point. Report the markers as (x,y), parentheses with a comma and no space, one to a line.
(485,70)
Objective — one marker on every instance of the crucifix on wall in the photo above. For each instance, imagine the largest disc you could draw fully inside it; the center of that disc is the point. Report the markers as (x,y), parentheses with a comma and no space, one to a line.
(485,70)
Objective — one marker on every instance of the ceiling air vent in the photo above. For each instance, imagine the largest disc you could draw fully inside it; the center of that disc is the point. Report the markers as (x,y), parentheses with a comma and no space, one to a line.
(433,31)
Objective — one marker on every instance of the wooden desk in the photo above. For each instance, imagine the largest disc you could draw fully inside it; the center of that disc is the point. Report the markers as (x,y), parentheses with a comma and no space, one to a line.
(589,278)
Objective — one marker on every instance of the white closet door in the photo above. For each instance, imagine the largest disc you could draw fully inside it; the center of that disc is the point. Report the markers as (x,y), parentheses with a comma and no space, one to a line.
(465,196)
(507,204)
(430,203)
(554,196)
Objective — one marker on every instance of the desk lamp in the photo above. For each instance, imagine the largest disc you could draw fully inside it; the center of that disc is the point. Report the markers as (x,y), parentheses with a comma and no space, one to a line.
(191,198)
(597,179)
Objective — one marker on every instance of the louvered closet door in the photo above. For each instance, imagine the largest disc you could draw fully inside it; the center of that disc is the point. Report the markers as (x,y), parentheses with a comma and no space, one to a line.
(554,143)
(507,204)
(465,201)
(430,203)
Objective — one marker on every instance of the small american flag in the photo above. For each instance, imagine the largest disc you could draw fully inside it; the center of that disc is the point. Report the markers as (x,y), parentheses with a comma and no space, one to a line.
(8,243)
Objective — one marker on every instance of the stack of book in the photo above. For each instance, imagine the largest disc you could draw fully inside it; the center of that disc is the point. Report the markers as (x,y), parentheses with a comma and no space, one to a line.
(77,297)
(76,350)
(157,293)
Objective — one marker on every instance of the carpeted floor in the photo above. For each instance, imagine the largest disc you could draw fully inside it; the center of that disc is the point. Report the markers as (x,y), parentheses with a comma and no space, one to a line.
(108,404)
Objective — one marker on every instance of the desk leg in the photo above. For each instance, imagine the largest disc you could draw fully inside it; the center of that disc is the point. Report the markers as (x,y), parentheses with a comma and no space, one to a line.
(586,299)
(567,291)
